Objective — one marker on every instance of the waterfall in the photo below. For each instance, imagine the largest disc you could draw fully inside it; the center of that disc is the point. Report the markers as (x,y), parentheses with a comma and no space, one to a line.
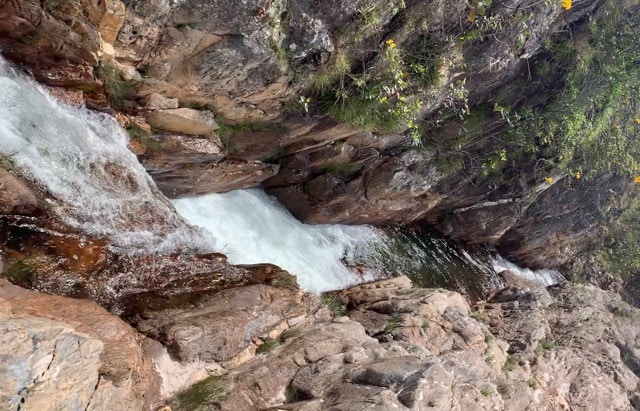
(251,227)
(542,277)
(95,183)
(97,186)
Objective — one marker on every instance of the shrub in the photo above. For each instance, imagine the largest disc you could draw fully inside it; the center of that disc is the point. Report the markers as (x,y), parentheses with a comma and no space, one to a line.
(509,364)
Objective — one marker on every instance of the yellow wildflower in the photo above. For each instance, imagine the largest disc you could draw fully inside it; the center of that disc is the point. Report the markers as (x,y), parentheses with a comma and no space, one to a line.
(549,180)
(578,175)
(566,4)
(391,43)
(637,180)
(638,121)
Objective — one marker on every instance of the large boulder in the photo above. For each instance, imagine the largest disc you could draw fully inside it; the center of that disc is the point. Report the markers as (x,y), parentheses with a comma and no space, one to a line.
(63,353)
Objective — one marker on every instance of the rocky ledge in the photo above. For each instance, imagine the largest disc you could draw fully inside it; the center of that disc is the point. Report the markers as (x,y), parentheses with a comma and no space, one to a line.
(379,346)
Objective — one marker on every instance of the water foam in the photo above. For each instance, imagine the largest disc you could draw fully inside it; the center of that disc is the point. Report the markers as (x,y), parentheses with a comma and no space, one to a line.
(250,227)
(81,157)
(543,277)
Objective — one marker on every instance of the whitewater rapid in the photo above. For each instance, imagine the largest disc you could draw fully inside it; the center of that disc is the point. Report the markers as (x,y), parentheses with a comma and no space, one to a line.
(250,227)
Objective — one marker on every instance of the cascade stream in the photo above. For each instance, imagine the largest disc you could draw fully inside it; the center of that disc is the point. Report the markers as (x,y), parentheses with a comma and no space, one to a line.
(96,185)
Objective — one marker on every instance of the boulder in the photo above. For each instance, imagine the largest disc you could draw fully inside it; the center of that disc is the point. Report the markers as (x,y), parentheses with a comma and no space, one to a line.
(63,353)
(183,120)
(15,197)
(156,101)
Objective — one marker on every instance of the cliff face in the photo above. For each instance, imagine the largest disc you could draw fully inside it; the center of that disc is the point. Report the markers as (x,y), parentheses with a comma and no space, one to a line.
(224,95)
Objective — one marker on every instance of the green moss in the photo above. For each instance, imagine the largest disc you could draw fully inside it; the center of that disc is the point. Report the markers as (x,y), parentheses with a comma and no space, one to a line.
(51,6)
(140,135)
(20,272)
(184,26)
(201,395)
(342,168)
(6,163)
(119,91)
(544,345)
(622,311)
(477,316)
(488,337)
(285,280)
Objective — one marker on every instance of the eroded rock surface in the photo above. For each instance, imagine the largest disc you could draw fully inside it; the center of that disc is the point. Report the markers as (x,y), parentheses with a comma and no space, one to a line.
(61,353)
(414,349)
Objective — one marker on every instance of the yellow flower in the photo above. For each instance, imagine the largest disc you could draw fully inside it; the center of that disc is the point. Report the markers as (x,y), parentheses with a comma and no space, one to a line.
(549,180)
(637,180)
(391,43)
(638,121)
(566,4)
(578,175)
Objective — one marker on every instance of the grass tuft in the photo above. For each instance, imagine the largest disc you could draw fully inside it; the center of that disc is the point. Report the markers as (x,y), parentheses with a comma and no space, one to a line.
(207,392)
(336,307)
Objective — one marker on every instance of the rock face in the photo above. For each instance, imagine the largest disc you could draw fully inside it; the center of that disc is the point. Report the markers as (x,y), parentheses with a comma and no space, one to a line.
(245,314)
(411,349)
(59,41)
(252,62)
(60,353)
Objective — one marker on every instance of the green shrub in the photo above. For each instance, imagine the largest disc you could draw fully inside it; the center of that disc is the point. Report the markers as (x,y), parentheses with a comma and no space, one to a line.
(509,364)
(267,345)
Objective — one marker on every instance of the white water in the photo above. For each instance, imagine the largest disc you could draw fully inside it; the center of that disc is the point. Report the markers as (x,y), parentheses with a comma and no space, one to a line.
(98,187)
(82,159)
(250,227)
(542,277)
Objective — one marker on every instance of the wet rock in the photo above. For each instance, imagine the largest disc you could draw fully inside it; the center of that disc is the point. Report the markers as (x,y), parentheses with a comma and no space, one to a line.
(15,197)
(191,175)
(183,120)
(69,354)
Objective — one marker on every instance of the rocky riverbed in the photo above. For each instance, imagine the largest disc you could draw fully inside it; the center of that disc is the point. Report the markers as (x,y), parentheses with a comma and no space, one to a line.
(383,345)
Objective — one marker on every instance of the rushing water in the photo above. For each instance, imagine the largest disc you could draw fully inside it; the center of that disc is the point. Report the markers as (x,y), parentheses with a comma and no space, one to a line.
(96,185)
(251,227)
(81,157)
